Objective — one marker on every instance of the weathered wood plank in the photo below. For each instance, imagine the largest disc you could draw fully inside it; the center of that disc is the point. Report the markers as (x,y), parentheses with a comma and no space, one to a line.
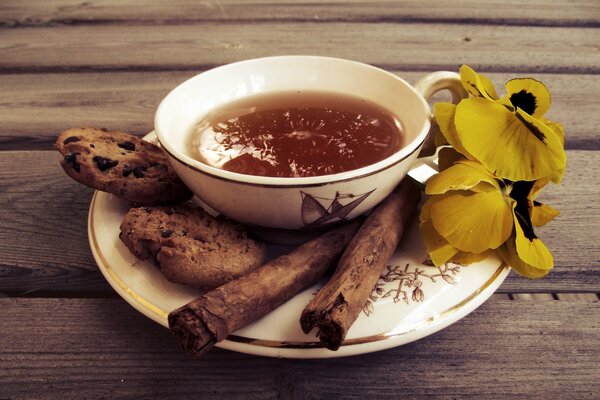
(551,296)
(43,235)
(54,12)
(34,108)
(103,348)
(404,46)
(44,244)
(499,297)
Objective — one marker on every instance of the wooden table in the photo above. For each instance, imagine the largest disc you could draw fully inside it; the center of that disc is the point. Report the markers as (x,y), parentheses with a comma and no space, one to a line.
(66,334)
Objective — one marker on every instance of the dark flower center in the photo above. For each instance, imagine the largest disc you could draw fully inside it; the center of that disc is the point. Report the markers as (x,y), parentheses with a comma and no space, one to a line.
(519,192)
(525,101)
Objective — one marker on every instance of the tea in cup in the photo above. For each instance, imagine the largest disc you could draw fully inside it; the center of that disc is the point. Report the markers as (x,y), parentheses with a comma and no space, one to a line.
(296,142)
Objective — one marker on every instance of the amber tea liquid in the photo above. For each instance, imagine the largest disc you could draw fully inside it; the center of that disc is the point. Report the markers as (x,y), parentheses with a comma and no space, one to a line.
(295,134)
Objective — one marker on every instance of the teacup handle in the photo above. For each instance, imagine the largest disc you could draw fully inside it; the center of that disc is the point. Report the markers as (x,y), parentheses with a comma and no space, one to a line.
(432,83)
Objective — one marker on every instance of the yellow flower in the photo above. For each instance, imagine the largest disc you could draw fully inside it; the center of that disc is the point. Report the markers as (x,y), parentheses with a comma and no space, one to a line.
(524,251)
(508,135)
(476,84)
(451,219)
(470,212)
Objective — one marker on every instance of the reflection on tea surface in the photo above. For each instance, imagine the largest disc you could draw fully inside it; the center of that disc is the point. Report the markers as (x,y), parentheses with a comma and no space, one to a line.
(295,134)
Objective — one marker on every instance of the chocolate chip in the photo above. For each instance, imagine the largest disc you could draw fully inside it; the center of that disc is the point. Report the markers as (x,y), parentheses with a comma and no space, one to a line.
(71,139)
(104,129)
(148,210)
(92,145)
(71,160)
(138,171)
(127,145)
(166,233)
(104,163)
(159,166)
(127,170)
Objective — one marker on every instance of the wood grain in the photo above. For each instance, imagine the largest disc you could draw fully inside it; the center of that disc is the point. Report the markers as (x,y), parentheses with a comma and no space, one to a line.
(36,107)
(43,237)
(405,46)
(55,12)
(77,348)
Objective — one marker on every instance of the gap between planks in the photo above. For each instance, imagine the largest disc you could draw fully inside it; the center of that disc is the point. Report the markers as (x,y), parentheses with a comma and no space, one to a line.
(383,19)
(426,68)
(546,296)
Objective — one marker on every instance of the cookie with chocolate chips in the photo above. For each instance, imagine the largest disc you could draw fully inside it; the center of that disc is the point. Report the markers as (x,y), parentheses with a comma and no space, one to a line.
(191,246)
(121,164)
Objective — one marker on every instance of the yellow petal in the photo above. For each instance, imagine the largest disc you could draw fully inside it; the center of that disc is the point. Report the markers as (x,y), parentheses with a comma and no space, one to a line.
(472,222)
(514,146)
(541,214)
(556,159)
(529,95)
(464,258)
(476,84)
(444,116)
(509,254)
(425,214)
(531,251)
(438,137)
(557,128)
(560,132)
(440,251)
(463,175)
(537,188)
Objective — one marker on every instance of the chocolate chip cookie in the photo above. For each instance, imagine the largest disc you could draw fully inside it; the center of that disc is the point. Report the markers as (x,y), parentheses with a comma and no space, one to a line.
(121,164)
(191,246)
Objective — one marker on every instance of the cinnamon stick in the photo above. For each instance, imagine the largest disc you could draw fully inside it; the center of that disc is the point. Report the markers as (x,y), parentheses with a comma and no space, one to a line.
(213,316)
(337,305)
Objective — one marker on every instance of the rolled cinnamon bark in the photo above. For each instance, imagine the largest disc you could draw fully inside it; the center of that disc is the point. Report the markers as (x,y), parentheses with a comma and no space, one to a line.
(337,305)
(213,316)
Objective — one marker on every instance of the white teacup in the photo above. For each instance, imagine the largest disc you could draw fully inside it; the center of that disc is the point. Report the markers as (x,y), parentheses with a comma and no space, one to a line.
(305,202)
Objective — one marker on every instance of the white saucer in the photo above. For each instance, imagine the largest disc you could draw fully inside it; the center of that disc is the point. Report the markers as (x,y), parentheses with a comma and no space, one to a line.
(413,301)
